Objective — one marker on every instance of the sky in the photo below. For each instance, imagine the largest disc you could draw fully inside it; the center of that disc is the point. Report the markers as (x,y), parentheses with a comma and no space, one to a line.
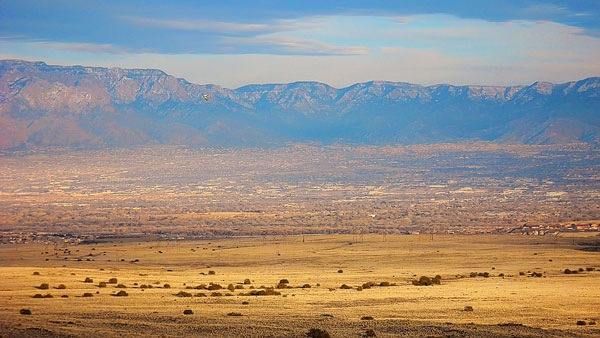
(235,43)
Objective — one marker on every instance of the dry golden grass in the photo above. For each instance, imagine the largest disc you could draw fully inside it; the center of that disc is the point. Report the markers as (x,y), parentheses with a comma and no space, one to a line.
(384,270)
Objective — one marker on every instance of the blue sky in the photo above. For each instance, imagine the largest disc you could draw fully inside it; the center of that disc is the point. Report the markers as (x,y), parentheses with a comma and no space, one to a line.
(234,43)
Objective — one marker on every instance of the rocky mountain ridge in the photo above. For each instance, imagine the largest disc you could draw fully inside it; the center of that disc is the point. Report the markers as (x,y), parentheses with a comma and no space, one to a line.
(92,107)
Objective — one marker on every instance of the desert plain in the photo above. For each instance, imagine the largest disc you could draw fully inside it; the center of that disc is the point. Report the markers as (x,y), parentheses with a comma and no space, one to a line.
(526,291)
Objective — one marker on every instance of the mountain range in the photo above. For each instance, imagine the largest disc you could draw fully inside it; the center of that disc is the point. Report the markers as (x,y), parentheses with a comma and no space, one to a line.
(76,107)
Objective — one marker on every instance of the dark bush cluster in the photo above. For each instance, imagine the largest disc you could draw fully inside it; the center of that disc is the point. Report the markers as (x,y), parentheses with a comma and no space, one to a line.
(183,294)
(265,292)
(427,281)
(317,333)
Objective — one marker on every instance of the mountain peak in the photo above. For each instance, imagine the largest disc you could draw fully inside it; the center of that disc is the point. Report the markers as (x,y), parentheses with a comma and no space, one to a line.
(76,106)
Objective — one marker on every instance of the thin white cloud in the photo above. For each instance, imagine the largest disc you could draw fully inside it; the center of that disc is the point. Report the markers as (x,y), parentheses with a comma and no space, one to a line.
(293,45)
(223,27)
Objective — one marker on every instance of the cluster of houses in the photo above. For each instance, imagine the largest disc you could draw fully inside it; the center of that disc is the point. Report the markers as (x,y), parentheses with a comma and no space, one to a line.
(554,229)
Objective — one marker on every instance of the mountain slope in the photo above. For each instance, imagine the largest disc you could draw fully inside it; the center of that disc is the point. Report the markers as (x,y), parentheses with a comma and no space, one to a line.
(91,107)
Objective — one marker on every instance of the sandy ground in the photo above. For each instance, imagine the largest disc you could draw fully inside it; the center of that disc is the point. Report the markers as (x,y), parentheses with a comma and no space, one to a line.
(513,305)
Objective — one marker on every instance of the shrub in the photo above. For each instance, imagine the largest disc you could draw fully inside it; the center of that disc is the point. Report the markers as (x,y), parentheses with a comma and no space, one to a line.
(26,312)
(88,280)
(216,294)
(368,285)
(317,333)
(102,284)
(247,281)
(188,312)
(112,281)
(239,287)
(568,272)
(360,288)
(87,294)
(211,272)
(592,322)
(230,287)
(245,303)
(61,286)
(122,293)
(183,294)
(200,294)
(384,284)
(64,296)
(282,286)
(35,273)
(536,274)
(121,286)
(581,322)
(366,318)
(580,270)
(213,287)
(167,286)
(370,333)
(284,281)
(521,273)
(423,281)
(38,295)
(468,308)
(306,286)
(234,314)
(44,286)
(340,271)
(266,292)
(589,269)
(345,287)
(48,296)
(473,274)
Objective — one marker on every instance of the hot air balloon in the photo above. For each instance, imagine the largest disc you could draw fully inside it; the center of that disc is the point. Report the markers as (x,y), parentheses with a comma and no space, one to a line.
(206,97)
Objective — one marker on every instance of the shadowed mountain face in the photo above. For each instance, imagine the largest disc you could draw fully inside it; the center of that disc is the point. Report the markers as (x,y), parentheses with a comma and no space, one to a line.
(44,106)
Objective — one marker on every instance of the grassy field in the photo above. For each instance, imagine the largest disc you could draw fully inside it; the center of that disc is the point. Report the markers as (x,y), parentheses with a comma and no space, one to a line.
(510,302)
